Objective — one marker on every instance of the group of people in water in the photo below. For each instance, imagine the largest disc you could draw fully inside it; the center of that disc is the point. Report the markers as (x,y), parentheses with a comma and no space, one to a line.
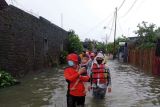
(86,72)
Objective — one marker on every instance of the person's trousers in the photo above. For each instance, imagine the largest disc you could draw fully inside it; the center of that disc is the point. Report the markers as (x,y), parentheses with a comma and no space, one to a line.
(99,92)
(75,101)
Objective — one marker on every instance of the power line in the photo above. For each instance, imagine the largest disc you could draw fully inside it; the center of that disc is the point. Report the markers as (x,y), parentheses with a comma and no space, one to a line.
(130,8)
(127,12)
(111,28)
(115,33)
(100,23)
(115,16)
(119,25)
(107,18)
(121,5)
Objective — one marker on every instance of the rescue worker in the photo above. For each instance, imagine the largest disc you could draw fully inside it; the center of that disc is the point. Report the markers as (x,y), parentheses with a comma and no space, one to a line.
(82,54)
(73,75)
(90,63)
(105,59)
(100,77)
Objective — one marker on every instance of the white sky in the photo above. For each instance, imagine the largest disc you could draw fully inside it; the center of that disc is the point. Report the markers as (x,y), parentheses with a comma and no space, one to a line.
(88,17)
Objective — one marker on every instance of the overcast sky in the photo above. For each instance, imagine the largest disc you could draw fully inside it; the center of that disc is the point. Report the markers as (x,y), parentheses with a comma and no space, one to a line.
(88,17)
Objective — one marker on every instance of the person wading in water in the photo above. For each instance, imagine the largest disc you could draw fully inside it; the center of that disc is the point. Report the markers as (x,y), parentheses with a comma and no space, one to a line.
(73,75)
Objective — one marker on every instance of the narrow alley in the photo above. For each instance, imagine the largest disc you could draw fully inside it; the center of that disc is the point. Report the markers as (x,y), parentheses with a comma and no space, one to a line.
(131,88)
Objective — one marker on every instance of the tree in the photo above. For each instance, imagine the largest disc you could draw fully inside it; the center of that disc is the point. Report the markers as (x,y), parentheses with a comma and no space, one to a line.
(157,31)
(122,39)
(147,34)
(110,47)
(101,46)
(88,44)
(75,44)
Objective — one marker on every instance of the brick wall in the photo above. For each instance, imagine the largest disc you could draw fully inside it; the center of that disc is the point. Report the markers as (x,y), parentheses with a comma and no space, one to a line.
(3,4)
(27,42)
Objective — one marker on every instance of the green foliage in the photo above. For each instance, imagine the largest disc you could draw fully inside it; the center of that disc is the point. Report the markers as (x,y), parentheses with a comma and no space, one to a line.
(110,47)
(146,45)
(101,46)
(63,56)
(88,44)
(75,44)
(6,79)
(121,39)
(148,35)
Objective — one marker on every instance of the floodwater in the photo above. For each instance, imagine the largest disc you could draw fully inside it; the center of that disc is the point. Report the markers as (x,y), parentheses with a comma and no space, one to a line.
(130,88)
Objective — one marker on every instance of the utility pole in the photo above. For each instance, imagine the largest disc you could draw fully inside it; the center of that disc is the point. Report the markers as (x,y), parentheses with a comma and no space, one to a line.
(61,20)
(114,51)
(106,35)
(106,39)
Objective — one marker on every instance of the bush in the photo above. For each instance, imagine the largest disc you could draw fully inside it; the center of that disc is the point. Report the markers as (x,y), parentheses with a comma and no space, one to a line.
(75,44)
(6,79)
(63,56)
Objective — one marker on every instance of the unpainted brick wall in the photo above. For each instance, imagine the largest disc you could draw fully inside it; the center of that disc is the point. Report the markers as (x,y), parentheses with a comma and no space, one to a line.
(28,43)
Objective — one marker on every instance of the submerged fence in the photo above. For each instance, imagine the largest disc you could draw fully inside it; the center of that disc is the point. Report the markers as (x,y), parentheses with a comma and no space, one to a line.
(145,59)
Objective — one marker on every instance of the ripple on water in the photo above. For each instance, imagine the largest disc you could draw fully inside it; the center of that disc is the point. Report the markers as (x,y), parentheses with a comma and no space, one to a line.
(130,88)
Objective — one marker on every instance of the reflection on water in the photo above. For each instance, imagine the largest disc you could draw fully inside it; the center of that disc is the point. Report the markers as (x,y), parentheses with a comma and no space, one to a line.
(130,88)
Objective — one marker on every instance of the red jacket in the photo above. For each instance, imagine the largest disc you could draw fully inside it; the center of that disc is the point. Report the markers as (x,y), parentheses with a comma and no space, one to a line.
(71,76)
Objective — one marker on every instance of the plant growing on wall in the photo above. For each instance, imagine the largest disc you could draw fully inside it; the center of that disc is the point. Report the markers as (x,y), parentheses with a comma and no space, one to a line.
(6,79)
(63,56)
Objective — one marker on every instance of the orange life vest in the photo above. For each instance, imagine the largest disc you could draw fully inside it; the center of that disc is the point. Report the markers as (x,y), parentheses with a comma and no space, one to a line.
(99,72)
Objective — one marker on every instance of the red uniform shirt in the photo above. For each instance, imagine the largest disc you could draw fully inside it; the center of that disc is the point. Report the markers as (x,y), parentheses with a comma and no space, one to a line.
(71,75)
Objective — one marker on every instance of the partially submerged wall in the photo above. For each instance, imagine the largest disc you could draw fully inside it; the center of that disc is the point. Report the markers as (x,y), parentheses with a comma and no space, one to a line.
(27,42)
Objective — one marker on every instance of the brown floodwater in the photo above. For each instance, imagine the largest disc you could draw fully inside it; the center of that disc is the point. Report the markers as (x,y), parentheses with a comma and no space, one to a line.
(130,88)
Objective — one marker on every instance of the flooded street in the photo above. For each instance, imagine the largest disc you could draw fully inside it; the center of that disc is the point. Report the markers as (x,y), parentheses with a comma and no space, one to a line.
(130,88)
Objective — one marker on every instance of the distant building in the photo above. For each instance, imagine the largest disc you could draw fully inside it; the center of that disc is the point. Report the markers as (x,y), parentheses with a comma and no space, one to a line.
(123,49)
(123,52)
(132,42)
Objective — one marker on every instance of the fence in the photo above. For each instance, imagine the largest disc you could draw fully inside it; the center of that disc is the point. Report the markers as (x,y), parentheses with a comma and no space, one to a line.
(145,59)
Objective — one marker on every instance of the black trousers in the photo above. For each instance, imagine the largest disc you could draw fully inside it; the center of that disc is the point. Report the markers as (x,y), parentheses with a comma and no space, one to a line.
(74,101)
(99,92)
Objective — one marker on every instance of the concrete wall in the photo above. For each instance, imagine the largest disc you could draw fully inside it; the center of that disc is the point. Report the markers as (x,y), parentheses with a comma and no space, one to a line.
(27,42)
